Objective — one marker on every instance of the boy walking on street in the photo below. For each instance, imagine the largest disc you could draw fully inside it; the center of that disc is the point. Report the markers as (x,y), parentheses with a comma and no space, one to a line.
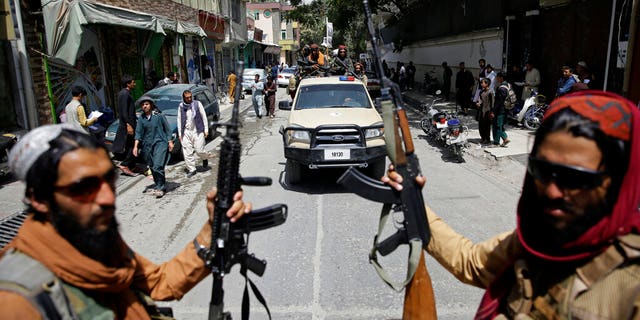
(498,111)
(155,134)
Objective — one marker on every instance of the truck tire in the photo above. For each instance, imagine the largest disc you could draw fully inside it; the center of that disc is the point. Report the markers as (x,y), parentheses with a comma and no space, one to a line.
(293,172)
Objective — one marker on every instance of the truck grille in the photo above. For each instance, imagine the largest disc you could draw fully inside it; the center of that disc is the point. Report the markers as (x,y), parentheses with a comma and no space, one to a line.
(351,136)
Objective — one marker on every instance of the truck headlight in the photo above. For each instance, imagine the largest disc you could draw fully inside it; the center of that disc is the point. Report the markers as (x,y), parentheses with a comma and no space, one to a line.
(373,133)
(298,136)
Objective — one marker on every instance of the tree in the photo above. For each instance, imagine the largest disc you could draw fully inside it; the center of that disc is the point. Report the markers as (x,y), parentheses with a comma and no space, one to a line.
(348,19)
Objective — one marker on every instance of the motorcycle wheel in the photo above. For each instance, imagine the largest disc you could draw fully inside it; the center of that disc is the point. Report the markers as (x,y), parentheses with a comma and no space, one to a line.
(532,122)
(424,124)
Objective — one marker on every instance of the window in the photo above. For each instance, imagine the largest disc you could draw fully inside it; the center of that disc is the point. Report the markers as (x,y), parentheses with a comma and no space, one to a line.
(283,34)
(202,98)
(256,15)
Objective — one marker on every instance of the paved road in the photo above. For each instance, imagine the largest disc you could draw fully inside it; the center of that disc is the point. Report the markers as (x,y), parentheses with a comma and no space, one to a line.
(317,261)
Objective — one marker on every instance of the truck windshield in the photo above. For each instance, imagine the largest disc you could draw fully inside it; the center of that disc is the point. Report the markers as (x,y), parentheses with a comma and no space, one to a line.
(332,96)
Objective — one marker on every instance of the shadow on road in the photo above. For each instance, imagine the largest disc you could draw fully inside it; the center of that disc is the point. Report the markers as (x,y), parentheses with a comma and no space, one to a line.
(318,181)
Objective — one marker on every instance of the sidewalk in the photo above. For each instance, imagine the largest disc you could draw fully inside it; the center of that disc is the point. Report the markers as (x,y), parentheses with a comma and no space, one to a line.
(521,138)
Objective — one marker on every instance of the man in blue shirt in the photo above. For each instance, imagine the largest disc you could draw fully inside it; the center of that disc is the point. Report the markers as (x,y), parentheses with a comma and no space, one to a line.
(565,84)
(154,132)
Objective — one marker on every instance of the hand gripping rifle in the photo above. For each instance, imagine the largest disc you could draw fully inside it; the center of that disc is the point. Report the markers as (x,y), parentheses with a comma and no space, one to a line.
(228,244)
(419,302)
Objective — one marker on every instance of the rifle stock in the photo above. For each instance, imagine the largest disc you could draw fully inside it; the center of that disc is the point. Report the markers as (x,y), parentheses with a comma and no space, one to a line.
(419,299)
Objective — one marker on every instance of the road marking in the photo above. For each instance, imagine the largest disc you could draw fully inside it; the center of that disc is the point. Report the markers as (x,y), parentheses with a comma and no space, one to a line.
(317,312)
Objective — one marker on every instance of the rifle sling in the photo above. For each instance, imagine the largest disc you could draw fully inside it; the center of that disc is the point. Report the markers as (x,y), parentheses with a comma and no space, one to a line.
(245,298)
(415,249)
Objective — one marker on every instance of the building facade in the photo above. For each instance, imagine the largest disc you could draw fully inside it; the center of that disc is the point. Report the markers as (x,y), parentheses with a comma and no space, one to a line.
(49,46)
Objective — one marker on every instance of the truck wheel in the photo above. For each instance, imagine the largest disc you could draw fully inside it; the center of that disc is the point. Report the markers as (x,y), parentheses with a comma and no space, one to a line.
(293,172)
(377,169)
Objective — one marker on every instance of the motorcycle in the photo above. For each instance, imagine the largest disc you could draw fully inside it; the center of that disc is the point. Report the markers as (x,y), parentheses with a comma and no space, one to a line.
(531,113)
(446,129)
(456,137)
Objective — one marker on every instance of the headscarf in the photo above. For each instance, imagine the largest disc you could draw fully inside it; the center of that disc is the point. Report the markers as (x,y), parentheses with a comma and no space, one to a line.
(618,118)
(615,116)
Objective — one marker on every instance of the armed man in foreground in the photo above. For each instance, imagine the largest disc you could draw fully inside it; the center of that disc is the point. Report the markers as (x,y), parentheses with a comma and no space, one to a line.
(68,260)
(576,250)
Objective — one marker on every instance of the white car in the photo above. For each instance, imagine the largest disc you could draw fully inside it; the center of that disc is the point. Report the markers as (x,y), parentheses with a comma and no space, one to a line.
(248,78)
(333,124)
(284,75)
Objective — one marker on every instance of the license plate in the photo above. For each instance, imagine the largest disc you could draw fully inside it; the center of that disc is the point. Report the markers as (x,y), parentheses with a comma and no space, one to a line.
(337,154)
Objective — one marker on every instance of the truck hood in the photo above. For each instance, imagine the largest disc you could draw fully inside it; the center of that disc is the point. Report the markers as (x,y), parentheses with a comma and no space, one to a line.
(311,118)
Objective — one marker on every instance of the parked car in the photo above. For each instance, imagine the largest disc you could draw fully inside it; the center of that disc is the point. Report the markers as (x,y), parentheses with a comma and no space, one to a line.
(167,100)
(248,77)
(332,124)
(284,75)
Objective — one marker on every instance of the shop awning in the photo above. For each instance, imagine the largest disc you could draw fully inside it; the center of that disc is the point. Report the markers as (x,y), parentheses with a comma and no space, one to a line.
(181,27)
(272,49)
(64,20)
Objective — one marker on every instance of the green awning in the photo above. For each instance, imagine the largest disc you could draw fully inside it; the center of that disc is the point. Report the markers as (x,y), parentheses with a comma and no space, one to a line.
(182,27)
(64,21)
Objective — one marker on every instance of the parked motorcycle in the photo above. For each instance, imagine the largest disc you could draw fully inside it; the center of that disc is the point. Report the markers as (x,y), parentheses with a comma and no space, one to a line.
(456,137)
(531,113)
(446,129)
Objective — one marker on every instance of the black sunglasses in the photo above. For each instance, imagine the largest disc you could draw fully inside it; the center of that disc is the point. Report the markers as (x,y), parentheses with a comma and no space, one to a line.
(566,177)
(85,189)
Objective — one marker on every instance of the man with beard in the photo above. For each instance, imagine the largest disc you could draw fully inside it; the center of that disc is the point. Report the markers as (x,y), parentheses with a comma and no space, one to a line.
(342,64)
(68,260)
(575,251)
(316,58)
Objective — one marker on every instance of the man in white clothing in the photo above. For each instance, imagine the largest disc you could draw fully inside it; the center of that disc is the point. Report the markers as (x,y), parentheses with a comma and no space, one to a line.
(192,131)
(531,80)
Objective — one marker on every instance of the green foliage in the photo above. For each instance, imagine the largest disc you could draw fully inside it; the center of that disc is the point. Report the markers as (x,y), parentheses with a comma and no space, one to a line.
(347,16)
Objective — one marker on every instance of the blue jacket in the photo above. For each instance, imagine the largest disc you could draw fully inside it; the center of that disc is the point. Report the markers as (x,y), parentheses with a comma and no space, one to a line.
(565,85)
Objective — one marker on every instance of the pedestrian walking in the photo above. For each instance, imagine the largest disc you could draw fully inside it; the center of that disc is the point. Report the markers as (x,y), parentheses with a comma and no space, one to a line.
(232,79)
(257,95)
(127,122)
(153,138)
(484,111)
(68,260)
(270,89)
(574,252)
(498,112)
(192,132)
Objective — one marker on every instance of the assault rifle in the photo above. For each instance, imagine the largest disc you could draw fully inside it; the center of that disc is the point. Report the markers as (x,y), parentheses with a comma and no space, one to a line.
(228,244)
(419,301)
